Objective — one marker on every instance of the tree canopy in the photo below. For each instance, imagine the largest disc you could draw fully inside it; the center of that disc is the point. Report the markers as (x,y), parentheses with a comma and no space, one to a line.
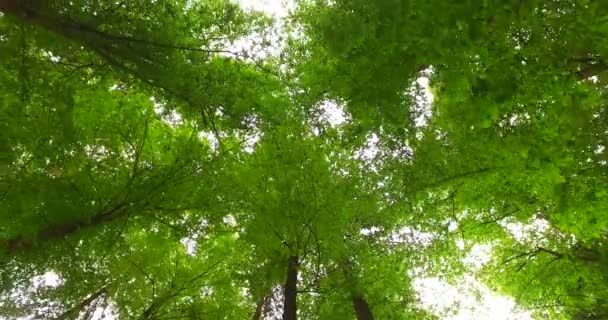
(159,168)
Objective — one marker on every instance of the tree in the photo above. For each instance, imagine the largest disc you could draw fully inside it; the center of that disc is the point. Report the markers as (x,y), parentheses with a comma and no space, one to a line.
(127,173)
(518,126)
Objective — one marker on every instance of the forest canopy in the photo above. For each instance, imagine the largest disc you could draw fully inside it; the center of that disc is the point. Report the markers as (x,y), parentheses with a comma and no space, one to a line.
(198,159)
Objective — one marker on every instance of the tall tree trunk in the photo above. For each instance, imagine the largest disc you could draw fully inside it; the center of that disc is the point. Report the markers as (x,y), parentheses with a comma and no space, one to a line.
(8,5)
(123,52)
(362,309)
(60,231)
(291,290)
(74,311)
(259,308)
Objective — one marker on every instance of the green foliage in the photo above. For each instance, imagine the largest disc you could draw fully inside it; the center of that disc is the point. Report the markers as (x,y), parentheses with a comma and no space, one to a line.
(163,176)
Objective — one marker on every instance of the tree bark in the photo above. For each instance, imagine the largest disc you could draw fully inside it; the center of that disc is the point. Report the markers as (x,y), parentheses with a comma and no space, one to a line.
(110,47)
(259,308)
(60,231)
(8,5)
(290,290)
(591,70)
(362,309)
(82,305)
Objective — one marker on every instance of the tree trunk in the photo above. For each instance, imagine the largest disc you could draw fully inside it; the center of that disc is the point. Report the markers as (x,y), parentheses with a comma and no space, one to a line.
(108,46)
(290,290)
(60,231)
(8,5)
(259,308)
(71,313)
(362,309)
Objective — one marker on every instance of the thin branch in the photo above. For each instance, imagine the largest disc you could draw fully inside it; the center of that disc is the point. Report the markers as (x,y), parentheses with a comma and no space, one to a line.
(459,176)
(551,252)
(168,224)
(135,168)
(145,274)
(82,305)
(197,277)
(214,129)
(117,236)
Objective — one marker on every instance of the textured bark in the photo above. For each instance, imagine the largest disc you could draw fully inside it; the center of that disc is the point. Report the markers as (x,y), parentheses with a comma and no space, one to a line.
(291,290)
